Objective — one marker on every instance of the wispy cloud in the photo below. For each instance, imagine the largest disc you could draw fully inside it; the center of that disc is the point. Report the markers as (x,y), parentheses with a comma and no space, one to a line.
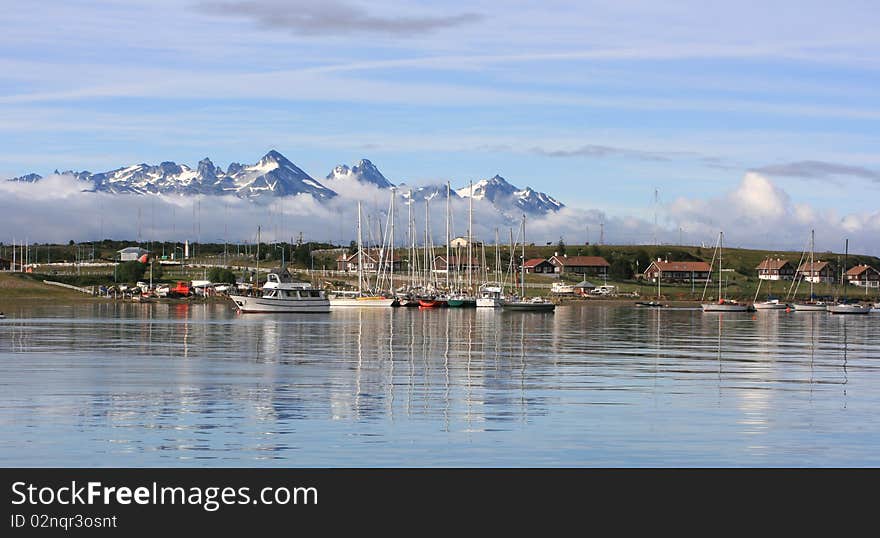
(819,170)
(598,151)
(330,17)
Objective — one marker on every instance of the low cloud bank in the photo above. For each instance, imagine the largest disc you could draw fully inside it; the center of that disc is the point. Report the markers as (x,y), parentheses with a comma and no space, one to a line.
(757,213)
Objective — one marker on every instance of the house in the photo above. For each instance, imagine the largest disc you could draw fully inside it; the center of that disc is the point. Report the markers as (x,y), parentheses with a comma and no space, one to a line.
(349,262)
(817,272)
(462,242)
(457,264)
(581,265)
(131,254)
(777,269)
(539,266)
(678,271)
(864,276)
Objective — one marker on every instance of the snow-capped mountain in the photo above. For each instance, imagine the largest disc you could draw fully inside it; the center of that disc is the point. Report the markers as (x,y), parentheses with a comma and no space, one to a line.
(275,175)
(505,196)
(272,175)
(425,192)
(364,171)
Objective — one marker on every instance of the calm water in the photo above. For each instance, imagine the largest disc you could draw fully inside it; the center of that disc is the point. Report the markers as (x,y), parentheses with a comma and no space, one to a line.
(199,385)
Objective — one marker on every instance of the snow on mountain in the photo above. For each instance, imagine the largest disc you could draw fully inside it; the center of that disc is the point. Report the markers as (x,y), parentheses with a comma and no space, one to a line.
(364,171)
(275,175)
(272,175)
(27,178)
(425,192)
(505,196)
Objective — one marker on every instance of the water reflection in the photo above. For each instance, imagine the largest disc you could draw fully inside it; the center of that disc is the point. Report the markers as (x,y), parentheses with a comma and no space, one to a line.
(130,384)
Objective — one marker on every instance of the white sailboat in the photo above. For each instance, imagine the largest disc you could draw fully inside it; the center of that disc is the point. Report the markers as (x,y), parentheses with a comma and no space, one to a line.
(843,307)
(723,305)
(491,293)
(769,304)
(360,298)
(535,304)
(811,305)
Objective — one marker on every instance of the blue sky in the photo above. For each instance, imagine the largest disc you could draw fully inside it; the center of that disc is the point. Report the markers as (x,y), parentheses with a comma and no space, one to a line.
(596,103)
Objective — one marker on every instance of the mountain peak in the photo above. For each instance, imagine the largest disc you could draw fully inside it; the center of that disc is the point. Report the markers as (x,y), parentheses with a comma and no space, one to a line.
(274,155)
(364,171)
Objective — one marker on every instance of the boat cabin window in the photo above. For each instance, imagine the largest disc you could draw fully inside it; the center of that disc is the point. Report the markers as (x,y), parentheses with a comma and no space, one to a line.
(270,294)
(272,278)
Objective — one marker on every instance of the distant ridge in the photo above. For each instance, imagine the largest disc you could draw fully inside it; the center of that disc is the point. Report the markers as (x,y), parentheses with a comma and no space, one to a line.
(275,175)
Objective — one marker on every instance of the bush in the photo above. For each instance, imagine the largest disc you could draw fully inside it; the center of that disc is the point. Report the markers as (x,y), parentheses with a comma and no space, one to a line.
(219,275)
(130,272)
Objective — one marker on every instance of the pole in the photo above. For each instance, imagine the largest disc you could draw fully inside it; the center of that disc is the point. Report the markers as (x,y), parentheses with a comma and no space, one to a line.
(360,253)
(720,247)
(391,240)
(470,248)
(522,269)
(448,261)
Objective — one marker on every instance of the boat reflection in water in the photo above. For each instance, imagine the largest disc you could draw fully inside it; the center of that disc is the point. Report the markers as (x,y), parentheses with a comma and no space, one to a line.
(196,384)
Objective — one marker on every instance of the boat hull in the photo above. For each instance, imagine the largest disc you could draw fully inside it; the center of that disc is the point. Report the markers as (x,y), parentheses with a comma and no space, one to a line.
(489,302)
(264,305)
(432,303)
(771,306)
(529,307)
(361,302)
(462,303)
(848,309)
(810,307)
(711,307)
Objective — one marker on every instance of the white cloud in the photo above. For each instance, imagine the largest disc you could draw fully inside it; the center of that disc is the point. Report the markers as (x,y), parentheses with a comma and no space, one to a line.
(756,213)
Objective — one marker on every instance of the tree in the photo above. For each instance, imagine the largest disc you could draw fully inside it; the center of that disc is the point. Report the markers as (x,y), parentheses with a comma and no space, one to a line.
(219,275)
(130,272)
(620,269)
(560,247)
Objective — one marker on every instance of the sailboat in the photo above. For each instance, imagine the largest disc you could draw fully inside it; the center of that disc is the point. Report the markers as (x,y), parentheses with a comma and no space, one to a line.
(811,305)
(535,304)
(491,294)
(657,303)
(462,299)
(360,298)
(843,307)
(723,305)
(769,304)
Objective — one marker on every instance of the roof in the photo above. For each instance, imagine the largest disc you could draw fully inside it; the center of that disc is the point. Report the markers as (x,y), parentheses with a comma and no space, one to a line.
(585,285)
(370,255)
(696,267)
(133,250)
(580,261)
(455,260)
(772,265)
(817,266)
(859,269)
(534,261)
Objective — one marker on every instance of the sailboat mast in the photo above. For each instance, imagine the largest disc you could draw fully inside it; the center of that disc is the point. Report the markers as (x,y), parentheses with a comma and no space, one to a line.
(470,249)
(360,254)
(427,235)
(448,261)
(391,241)
(497,255)
(522,269)
(843,270)
(812,262)
(412,239)
(720,247)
